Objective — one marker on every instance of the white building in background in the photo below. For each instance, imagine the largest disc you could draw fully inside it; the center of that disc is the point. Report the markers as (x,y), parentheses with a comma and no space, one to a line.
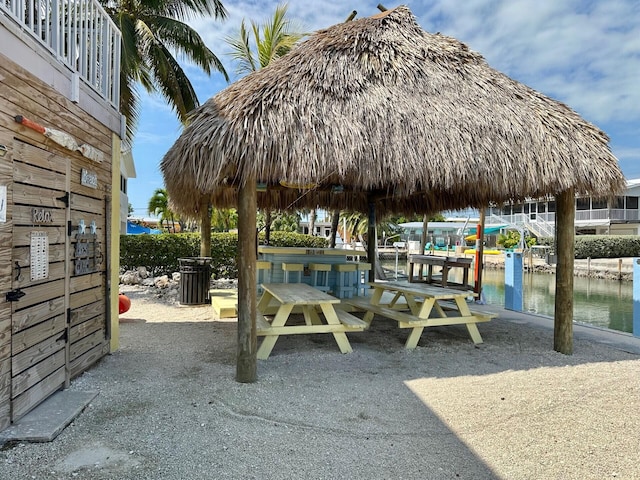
(127,171)
(616,216)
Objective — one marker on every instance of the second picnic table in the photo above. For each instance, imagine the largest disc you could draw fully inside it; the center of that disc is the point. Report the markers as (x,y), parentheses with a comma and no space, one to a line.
(427,304)
(293,297)
(447,263)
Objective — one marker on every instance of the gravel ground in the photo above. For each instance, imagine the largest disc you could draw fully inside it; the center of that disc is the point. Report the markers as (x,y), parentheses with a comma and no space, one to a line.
(511,408)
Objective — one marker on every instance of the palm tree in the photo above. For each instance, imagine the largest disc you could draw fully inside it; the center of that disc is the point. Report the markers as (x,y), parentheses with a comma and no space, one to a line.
(271,40)
(159,205)
(335,220)
(286,222)
(224,219)
(152,32)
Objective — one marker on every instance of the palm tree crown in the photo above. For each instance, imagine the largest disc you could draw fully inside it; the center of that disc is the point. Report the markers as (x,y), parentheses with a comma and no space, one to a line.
(273,39)
(152,31)
(159,205)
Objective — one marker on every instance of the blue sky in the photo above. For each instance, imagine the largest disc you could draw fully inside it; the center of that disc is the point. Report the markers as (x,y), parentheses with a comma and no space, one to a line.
(585,53)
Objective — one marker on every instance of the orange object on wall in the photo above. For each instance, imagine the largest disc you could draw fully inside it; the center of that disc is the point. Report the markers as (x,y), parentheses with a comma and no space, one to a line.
(124,303)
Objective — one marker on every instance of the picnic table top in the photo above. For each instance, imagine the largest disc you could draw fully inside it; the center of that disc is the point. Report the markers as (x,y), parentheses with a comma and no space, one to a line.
(427,290)
(435,259)
(298,293)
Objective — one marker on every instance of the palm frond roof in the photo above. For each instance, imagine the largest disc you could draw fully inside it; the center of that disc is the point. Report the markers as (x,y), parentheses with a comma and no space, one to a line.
(386,112)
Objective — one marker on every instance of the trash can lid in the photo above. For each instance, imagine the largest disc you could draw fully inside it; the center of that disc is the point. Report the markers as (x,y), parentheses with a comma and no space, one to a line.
(195,260)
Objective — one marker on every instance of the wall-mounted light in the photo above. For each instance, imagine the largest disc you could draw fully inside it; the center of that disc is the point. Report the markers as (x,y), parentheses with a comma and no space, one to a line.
(3,150)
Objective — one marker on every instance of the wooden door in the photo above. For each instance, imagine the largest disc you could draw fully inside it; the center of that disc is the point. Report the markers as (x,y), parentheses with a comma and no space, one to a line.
(58,281)
(38,305)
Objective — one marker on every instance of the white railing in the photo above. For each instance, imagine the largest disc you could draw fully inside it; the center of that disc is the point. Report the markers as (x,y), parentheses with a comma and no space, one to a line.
(623,214)
(582,215)
(79,33)
(537,224)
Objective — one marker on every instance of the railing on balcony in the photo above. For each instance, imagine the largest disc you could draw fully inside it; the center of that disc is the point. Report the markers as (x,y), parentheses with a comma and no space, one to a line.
(79,33)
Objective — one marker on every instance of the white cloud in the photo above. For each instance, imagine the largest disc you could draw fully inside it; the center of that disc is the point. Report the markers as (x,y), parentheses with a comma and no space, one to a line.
(586,54)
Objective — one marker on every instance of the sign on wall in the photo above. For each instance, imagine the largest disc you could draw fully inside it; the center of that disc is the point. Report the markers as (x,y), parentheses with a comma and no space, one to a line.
(39,256)
(89,178)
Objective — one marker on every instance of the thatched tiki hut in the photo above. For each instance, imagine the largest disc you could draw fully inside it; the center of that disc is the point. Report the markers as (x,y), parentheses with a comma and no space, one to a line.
(393,118)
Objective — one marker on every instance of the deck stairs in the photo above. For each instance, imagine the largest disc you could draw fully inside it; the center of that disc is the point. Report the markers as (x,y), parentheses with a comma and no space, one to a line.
(539,228)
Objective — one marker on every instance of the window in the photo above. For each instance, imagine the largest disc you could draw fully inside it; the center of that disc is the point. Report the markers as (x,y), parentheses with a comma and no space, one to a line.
(599,204)
(552,206)
(517,208)
(123,184)
(583,203)
(632,203)
(506,210)
(618,202)
(542,207)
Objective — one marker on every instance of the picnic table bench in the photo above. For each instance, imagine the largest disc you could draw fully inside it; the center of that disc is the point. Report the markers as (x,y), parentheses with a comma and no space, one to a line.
(309,300)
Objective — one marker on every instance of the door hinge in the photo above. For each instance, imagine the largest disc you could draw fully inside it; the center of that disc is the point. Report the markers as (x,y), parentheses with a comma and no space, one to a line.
(64,198)
(63,336)
(68,316)
(15,295)
(69,228)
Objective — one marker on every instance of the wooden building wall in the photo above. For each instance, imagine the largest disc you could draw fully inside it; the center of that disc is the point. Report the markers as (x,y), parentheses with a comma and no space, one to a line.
(58,323)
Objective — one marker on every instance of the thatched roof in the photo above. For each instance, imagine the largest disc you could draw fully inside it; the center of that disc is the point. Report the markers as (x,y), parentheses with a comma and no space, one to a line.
(388,111)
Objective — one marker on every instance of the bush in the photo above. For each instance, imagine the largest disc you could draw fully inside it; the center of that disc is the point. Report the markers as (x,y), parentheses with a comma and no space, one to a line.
(290,239)
(607,246)
(602,246)
(159,254)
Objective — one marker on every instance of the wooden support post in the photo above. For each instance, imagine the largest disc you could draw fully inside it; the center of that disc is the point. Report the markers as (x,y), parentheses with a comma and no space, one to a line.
(247,247)
(205,229)
(477,271)
(563,320)
(371,241)
(423,237)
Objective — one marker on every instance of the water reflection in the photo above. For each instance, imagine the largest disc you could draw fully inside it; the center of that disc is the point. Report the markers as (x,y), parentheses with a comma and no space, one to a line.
(604,303)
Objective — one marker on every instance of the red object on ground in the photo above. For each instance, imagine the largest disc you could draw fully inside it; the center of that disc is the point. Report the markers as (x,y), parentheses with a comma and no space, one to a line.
(124,303)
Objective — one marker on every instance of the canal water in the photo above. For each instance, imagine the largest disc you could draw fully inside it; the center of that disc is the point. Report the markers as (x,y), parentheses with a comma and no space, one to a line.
(603,303)
(599,302)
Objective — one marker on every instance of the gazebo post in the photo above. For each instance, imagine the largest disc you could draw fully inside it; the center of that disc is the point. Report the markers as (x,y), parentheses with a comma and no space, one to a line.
(205,229)
(565,232)
(371,240)
(479,255)
(247,248)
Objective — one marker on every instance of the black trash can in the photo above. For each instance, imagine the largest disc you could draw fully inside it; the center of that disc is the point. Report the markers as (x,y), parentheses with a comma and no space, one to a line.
(195,275)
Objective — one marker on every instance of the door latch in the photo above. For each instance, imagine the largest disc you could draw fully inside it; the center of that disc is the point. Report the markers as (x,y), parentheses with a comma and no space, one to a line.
(15,295)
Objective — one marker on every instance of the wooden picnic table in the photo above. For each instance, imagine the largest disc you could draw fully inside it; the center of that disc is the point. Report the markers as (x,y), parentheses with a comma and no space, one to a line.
(447,263)
(427,306)
(300,297)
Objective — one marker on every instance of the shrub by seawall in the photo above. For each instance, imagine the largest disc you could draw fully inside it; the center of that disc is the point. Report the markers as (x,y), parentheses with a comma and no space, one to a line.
(160,254)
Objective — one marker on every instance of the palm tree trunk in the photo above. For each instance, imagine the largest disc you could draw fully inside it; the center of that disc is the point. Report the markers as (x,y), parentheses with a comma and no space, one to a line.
(335,221)
(312,221)
(267,226)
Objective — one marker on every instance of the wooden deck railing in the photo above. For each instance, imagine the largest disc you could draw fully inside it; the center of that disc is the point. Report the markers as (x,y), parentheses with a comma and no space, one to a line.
(79,33)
